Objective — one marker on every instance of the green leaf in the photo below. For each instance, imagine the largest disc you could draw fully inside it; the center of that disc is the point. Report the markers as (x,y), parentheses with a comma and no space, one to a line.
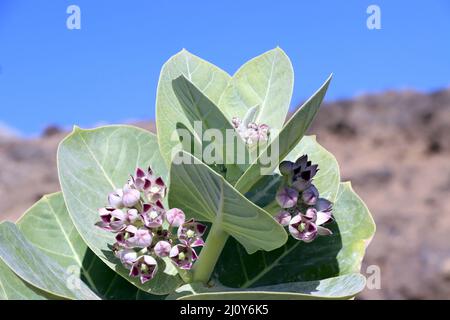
(206,196)
(266,81)
(198,108)
(325,257)
(36,268)
(288,138)
(327,179)
(13,287)
(47,225)
(92,163)
(337,288)
(209,79)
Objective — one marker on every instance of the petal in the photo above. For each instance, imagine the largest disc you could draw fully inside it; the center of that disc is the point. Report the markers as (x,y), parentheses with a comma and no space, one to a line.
(322,217)
(283,218)
(324,231)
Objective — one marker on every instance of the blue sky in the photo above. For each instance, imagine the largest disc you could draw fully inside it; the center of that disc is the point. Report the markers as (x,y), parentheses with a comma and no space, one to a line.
(108,70)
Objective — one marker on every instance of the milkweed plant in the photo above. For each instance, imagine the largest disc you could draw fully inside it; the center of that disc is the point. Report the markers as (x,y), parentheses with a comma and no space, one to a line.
(230,200)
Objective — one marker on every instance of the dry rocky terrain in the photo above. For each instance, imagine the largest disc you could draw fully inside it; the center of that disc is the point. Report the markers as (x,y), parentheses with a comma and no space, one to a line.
(393,146)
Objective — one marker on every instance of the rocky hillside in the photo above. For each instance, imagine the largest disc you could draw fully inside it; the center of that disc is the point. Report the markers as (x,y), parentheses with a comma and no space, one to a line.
(394,146)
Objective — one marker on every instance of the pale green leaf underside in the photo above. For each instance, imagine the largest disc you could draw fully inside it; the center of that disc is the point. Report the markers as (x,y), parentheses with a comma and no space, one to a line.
(36,268)
(266,81)
(198,108)
(92,163)
(47,225)
(208,78)
(327,256)
(13,287)
(288,138)
(206,196)
(342,287)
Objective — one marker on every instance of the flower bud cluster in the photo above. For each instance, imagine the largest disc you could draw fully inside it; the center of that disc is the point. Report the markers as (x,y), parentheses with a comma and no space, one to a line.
(303,211)
(145,231)
(251,132)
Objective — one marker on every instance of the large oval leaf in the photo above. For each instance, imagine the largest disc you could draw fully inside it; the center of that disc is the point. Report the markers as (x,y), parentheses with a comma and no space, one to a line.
(207,196)
(47,225)
(36,268)
(266,81)
(337,288)
(198,108)
(325,257)
(285,141)
(208,78)
(12,287)
(92,163)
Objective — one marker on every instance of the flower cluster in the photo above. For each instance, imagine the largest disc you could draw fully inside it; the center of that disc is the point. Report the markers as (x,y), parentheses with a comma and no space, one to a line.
(145,231)
(251,132)
(303,211)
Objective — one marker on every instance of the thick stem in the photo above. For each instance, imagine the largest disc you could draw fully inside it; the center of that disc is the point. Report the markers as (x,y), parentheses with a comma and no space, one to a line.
(204,266)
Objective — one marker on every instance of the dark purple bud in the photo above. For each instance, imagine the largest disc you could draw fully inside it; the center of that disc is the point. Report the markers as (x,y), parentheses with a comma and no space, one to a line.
(310,195)
(287,197)
(286,168)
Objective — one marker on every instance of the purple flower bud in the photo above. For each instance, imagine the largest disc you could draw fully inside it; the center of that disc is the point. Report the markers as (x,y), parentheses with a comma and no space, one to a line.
(283,218)
(323,205)
(145,268)
(287,197)
(134,237)
(130,197)
(183,256)
(190,233)
(153,215)
(127,257)
(115,199)
(303,173)
(286,168)
(162,249)
(175,217)
(302,229)
(236,122)
(310,195)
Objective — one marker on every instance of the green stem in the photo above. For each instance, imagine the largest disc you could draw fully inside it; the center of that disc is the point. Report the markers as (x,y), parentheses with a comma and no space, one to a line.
(204,266)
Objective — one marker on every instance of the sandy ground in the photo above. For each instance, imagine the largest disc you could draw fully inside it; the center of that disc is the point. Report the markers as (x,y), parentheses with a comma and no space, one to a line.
(394,146)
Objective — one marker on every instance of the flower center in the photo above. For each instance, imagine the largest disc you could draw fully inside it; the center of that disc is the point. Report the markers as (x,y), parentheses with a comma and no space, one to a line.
(190,233)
